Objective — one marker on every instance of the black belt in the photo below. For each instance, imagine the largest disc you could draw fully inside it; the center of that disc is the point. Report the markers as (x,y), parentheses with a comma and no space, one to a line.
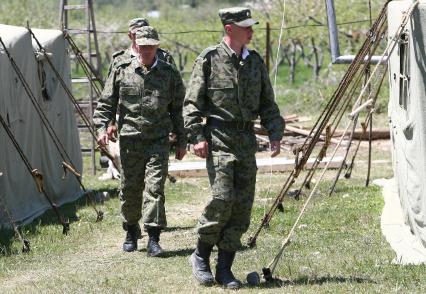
(233,124)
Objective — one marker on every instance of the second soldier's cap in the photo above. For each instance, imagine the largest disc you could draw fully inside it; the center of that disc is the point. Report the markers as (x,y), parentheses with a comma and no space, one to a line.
(137,23)
(241,16)
(147,36)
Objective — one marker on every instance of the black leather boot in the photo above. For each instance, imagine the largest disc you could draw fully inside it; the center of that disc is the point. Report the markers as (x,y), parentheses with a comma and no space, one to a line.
(200,262)
(133,234)
(153,248)
(224,275)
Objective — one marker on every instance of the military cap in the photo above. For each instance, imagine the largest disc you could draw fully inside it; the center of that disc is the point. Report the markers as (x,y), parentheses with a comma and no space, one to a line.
(137,23)
(147,36)
(241,16)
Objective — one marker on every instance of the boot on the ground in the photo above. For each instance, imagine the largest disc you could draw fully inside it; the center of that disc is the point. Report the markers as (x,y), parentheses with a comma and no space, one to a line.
(200,262)
(133,234)
(153,248)
(224,275)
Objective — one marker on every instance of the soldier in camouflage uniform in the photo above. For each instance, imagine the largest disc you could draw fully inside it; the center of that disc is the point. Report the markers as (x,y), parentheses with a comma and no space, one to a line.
(148,94)
(119,56)
(230,87)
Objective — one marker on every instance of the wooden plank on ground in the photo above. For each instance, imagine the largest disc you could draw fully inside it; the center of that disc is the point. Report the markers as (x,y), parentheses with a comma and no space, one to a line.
(280,164)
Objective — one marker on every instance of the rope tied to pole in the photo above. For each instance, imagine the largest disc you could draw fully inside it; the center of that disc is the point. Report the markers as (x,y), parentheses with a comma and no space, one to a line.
(38,177)
(68,167)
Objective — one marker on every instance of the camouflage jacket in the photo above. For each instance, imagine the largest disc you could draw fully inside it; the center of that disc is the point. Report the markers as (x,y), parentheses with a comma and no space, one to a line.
(149,103)
(229,89)
(120,56)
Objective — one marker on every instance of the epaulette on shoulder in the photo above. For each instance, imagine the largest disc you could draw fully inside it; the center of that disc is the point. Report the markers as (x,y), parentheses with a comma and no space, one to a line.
(123,63)
(163,51)
(207,51)
(118,53)
(254,52)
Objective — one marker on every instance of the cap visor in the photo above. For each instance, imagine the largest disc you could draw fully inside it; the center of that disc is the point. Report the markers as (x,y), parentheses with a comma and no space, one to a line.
(134,29)
(147,42)
(246,23)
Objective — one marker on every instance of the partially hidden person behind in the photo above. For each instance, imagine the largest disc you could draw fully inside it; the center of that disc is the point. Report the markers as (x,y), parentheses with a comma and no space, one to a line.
(229,88)
(147,93)
(136,24)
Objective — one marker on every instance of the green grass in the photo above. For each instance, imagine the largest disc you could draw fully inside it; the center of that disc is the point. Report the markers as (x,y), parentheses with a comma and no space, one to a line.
(337,247)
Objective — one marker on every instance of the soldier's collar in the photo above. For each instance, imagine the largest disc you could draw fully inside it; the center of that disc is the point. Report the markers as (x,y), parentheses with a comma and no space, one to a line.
(244,54)
(133,52)
(137,63)
(155,62)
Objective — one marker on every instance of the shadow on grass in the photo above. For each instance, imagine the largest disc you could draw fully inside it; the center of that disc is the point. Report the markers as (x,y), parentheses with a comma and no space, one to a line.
(174,229)
(307,280)
(68,212)
(173,253)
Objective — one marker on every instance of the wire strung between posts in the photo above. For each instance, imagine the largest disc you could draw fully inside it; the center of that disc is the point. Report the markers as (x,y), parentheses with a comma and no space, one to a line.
(25,242)
(35,174)
(66,166)
(388,51)
(220,31)
(316,131)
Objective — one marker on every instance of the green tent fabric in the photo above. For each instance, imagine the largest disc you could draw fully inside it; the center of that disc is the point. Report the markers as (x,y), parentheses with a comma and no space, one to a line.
(17,188)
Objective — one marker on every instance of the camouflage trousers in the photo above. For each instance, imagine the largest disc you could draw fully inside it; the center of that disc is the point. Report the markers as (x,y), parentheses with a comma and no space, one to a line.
(144,168)
(231,165)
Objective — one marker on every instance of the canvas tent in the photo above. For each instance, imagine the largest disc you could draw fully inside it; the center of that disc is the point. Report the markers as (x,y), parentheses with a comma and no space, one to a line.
(407,113)
(17,188)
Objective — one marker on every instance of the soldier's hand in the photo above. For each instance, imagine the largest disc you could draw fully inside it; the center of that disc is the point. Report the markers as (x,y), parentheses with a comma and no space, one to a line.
(103,140)
(275,148)
(112,132)
(180,153)
(201,149)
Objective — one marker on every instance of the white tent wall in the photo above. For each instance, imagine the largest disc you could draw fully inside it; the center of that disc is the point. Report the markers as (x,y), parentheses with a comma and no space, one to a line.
(18,192)
(17,188)
(407,114)
(60,113)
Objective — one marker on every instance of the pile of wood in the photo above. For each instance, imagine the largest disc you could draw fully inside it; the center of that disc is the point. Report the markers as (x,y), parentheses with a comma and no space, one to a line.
(295,134)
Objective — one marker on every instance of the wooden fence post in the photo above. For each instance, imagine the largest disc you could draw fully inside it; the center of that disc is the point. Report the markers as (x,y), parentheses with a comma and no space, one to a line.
(268,46)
